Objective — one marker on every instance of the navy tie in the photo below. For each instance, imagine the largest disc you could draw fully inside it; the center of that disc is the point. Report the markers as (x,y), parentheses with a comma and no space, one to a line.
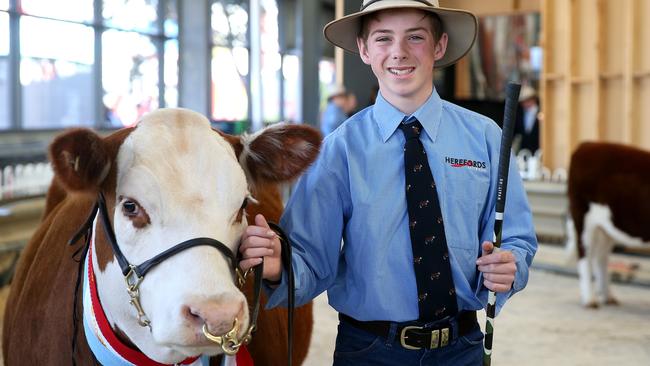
(436,291)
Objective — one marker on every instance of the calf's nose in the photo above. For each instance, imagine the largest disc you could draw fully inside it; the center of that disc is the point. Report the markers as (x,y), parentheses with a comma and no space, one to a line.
(218,316)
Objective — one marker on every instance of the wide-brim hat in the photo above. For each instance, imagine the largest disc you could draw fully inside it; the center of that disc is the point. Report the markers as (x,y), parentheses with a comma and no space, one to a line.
(461,26)
(335,90)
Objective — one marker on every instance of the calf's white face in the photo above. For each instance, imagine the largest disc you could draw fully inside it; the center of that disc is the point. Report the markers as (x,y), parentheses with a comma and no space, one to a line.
(176,180)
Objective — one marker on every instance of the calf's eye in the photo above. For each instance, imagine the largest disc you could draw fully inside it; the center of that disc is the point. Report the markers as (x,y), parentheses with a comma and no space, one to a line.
(130,208)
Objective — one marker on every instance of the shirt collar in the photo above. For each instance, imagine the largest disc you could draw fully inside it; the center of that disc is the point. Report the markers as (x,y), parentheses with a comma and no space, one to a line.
(388,118)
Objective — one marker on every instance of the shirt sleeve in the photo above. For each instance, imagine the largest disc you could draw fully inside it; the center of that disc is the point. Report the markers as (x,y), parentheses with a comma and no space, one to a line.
(313,221)
(518,232)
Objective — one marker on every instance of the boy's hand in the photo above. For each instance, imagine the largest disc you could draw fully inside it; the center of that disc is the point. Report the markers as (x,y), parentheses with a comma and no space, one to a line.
(498,268)
(259,241)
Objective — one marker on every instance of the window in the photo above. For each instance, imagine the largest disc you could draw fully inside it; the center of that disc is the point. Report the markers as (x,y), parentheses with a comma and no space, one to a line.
(135,15)
(171,73)
(56,74)
(229,68)
(64,50)
(129,77)
(4,68)
(326,80)
(271,61)
(80,11)
(291,77)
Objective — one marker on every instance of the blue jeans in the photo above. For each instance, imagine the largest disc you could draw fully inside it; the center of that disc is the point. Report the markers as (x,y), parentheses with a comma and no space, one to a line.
(356,347)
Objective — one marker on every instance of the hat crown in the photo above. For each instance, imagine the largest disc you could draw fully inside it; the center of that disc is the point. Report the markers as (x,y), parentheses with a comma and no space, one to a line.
(367,3)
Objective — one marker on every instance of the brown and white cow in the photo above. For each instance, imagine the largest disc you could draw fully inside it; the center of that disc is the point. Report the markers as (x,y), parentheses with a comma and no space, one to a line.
(609,200)
(169,179)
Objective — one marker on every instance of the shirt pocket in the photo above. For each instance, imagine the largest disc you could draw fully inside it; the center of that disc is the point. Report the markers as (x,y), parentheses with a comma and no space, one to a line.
(465,196)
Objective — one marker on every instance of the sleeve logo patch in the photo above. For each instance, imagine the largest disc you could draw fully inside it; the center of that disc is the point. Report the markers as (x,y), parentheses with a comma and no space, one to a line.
(459,163)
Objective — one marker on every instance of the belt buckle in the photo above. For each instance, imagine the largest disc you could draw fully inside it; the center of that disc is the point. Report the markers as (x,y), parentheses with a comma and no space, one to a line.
(439,337)
(444,337)
(403,337)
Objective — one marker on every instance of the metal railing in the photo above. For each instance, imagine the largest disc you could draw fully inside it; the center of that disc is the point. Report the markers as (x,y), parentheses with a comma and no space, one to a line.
(22,181)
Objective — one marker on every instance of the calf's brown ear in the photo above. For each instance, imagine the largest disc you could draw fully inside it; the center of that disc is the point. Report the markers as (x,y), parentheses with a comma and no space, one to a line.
(80,160)
(280,152)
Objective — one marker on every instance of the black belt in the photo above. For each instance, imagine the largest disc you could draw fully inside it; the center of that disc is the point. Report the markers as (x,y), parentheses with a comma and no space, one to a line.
(414,336)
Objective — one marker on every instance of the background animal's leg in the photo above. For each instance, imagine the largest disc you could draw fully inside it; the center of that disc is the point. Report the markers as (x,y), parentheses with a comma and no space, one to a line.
(603,245)
(587,294)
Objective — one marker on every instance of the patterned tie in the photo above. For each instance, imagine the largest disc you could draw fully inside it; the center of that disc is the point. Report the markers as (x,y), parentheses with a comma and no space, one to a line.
(436,291)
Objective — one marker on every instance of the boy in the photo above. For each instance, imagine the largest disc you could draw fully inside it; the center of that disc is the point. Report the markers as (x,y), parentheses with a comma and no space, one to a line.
(408,185)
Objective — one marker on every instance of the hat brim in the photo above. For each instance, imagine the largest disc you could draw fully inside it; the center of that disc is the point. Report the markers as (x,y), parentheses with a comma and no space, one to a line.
(461,27)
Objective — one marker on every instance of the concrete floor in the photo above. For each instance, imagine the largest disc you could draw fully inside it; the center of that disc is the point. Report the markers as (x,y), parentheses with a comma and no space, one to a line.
(545,325)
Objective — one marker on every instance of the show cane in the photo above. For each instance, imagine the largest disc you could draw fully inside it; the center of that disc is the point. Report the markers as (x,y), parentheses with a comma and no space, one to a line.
(512,96)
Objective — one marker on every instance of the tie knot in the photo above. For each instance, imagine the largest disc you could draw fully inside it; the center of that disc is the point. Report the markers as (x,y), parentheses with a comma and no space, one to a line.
(411,130)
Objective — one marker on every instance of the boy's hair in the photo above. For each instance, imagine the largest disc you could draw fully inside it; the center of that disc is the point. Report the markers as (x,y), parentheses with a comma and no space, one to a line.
(436,25)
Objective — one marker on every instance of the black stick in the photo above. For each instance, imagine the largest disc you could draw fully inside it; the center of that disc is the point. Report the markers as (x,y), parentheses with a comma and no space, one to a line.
(512,97)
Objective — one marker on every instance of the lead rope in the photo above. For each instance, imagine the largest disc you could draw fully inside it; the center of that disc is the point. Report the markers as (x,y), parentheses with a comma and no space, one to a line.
(291,294)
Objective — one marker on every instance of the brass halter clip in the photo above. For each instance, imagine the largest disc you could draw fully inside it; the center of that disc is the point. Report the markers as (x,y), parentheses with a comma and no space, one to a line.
(241,275)
(229,342)
(132,283)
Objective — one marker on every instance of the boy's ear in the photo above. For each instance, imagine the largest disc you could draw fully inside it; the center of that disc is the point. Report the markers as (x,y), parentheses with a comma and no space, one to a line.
(362,44)
(441,47)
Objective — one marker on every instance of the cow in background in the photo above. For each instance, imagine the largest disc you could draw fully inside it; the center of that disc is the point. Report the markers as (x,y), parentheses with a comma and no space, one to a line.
(169,179)
(609,201)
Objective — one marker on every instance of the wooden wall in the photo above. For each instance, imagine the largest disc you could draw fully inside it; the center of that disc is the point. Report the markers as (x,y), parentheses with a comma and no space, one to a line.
(596,73)
(492,7)
(596,80)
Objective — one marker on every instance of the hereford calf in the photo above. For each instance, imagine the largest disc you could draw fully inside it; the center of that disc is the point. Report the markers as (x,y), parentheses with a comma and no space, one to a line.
(166,181)
(609,200)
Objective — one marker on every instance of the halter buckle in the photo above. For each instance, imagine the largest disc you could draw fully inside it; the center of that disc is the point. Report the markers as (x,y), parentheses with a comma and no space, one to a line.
(132,279)
(241,275)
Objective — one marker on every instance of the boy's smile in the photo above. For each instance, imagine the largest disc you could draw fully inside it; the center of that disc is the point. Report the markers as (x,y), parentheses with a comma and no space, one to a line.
(401,70)
(401,51)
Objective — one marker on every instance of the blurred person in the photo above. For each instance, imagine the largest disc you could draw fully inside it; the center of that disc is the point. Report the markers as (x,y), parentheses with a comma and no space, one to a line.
(527,122)
(340,105)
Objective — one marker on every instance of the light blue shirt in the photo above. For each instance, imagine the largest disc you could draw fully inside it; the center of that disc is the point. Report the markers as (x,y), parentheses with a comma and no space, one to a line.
(354,192)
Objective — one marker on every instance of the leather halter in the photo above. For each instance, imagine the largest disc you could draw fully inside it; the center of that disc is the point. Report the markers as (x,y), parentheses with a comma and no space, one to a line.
(134,274)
